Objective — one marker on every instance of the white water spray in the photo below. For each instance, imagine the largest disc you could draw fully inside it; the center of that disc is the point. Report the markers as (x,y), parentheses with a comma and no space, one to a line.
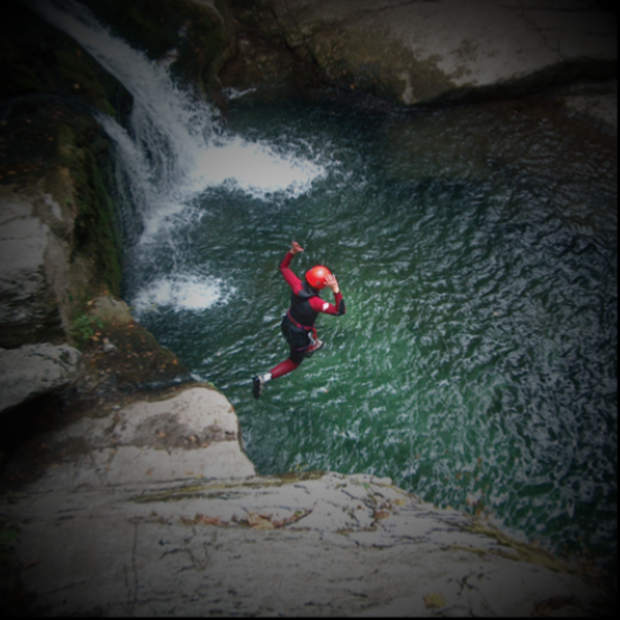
(175,149)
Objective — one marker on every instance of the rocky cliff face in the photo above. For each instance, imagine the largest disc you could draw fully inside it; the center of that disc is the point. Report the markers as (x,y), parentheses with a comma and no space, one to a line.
(422,52)
(150,508)
(135,496)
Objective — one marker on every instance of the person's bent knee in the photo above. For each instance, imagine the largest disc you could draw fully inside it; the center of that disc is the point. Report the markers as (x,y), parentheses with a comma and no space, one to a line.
(297,357)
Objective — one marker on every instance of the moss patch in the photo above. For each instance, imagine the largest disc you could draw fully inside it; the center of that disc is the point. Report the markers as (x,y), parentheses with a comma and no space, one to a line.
(190,34)
(50,141)
(136,362)
(95,228)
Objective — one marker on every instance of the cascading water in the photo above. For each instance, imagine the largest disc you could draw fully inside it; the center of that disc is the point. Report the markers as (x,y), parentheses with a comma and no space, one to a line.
(476,250)
(174,151)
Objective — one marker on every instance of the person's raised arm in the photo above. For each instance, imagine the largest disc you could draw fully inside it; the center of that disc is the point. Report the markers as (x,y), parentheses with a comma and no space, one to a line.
(332,283)
(291,279)
(319,305)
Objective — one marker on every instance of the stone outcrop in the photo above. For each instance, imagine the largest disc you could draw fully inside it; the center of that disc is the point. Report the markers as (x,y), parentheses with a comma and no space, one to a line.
(154,509)
(421,52)
(34,370)
(33,268)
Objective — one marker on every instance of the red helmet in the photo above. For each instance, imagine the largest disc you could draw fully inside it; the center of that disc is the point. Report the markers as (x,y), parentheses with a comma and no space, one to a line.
(317,275)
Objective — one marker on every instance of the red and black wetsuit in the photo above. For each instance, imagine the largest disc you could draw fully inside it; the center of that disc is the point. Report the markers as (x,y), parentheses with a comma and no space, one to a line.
(299,320)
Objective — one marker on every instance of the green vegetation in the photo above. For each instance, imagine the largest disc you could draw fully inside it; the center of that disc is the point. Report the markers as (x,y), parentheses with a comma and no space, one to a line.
(52,84)
(80,72)
(84,327)
(95,228)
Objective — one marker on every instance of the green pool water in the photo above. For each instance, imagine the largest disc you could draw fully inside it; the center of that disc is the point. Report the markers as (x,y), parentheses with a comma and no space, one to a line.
(476,365)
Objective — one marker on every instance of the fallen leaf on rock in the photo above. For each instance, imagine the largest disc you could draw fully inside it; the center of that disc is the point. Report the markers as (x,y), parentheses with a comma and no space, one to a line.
(259,521)
(434,600)
(207,520)
(299,514)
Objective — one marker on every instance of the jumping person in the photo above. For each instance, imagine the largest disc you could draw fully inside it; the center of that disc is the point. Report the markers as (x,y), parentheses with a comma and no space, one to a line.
(298,323)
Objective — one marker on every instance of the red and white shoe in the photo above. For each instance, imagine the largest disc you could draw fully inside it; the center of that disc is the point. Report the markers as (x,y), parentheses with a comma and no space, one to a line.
(315,346)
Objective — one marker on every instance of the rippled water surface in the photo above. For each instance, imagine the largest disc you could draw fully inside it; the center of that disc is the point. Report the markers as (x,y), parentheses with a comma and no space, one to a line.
(477,362)
(476,249)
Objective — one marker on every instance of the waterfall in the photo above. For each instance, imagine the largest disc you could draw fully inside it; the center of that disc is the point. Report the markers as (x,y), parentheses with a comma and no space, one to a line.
(175,148)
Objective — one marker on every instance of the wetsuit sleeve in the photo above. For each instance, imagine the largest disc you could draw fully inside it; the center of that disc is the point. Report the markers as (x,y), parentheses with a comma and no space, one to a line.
(291,279)
(319,305)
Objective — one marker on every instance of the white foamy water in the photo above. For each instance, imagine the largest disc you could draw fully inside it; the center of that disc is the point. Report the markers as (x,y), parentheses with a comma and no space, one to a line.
(174,149)
(182,292)
(177,147)
(257,169)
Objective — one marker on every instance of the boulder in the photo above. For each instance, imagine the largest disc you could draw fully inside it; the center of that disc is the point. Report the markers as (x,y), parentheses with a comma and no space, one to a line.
(34,370)
(33,269)
(421,52)
(188,432)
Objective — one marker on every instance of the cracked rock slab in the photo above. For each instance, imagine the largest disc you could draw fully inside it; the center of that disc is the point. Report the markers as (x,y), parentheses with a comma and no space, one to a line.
(138,521)
(265,546)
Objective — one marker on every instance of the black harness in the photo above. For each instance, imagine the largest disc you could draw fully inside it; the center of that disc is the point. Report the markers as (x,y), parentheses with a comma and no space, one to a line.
(301,313)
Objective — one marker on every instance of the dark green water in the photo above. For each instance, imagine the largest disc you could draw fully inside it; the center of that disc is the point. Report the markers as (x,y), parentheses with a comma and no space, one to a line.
(476,249)
(477,363)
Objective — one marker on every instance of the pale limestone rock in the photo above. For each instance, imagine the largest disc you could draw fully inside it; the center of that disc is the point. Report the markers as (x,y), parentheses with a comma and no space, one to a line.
(33,269)
(262,546)
(140,519)
(34,370)
(417,52)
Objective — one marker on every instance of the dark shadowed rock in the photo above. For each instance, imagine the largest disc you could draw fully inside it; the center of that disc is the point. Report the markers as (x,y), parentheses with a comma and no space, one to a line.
(426,51)
(33,370)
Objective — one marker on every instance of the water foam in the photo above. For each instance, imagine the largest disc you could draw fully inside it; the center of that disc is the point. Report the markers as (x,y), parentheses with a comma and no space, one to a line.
(177,147)
(257,169)
(192,292)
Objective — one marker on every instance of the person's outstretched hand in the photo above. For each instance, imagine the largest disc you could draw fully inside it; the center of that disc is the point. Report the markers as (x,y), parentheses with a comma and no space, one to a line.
(296,248)
(331,281)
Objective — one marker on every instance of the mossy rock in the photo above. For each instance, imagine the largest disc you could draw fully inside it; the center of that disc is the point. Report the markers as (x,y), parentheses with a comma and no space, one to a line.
(192,35)
(39,59)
